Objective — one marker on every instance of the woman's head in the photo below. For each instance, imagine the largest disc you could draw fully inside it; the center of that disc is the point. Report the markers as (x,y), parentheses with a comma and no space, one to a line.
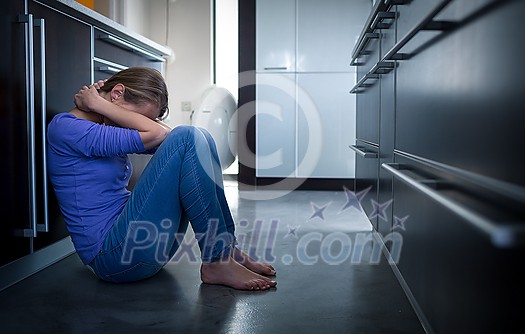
(141,84)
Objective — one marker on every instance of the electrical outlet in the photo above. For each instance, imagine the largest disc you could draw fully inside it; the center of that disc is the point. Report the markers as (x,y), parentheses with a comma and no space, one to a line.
(185,106)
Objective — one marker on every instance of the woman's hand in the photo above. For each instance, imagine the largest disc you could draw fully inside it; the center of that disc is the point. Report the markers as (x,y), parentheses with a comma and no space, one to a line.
(124,114)
(99,84)
(86,97)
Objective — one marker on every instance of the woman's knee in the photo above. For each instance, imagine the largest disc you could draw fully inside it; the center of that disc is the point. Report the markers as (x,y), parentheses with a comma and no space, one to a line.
(182,131)
(209,138)
(180,135)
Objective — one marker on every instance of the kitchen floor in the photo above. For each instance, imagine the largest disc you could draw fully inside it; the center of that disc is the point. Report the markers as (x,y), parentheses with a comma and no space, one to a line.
(330,280)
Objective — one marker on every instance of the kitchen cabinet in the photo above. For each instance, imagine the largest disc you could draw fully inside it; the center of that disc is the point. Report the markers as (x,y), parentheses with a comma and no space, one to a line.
(325,125)
(16,198)
(475,126)
(276,125)
(448,167)
(461,279)
(312,140)
(314,36)
(50,57)
(275,18)
(304,125)
(33,96)
(386,122)
(368,109)
(294,137)
(366,180)
(113,53)
(325,34)
(65,68)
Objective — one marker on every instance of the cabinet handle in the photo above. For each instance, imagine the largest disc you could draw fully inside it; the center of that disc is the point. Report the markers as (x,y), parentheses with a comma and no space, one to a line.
(125,45)
(379,13)
(361,151)
(378,20)
(396,2)
(360,46)
(110,69)
(362,83)
(276,68)
(27,20)
(427,23)
(41,24)
(501,235)
(382,67)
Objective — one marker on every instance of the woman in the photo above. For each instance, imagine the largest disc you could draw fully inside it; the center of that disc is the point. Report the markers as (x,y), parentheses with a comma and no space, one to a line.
(126,236)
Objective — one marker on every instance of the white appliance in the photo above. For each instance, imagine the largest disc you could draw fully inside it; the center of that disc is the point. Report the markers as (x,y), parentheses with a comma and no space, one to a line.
(216,113)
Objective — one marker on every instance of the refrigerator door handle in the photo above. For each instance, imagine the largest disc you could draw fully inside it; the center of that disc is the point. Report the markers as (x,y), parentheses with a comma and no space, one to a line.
(27,20)
(40,23)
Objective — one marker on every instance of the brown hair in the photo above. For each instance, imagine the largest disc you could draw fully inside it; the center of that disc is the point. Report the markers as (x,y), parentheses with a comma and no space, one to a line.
(142,84)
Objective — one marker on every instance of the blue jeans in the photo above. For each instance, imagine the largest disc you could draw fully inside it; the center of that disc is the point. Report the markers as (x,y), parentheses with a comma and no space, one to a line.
(181,184)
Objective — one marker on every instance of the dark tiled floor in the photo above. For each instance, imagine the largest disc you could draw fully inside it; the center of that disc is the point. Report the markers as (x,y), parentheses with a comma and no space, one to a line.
(322,287)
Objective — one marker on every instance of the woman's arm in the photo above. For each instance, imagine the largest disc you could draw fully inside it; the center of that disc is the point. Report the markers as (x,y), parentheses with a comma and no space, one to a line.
(166,126)
(151,132)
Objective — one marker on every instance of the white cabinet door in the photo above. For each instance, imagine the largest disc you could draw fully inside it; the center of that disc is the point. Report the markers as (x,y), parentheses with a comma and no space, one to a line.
(275,125)
(325,125)
(275,35)
(326,33)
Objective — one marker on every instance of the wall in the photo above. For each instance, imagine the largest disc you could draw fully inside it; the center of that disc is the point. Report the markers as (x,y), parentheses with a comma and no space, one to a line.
(227,45)
(133,9)
(189,35)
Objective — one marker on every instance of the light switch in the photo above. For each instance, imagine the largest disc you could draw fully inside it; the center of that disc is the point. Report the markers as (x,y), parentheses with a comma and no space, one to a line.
(185,106)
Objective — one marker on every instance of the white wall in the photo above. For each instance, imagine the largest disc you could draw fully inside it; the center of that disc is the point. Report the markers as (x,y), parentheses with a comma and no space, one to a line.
(227,45)
(133,9)
(190,26)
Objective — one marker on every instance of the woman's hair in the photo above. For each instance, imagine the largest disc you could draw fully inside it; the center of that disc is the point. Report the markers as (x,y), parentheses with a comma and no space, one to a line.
(143,84)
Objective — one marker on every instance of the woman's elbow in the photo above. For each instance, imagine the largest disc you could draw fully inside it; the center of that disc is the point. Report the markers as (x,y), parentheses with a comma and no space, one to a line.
(154,138)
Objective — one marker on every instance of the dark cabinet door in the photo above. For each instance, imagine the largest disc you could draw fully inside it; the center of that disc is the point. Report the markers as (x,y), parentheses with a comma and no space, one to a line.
(366,175)
(114,53)
(367,100)
(62,66)
(386,132)
(15,194)
(460,96)
(463,280)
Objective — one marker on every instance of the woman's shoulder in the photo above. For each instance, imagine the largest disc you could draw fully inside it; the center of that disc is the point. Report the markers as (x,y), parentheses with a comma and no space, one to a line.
(66,125)
(66,119)
(62,116)
(60,120)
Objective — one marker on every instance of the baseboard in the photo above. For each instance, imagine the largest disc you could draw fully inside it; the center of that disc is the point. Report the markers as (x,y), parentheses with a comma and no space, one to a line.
(269,183)
(22,268)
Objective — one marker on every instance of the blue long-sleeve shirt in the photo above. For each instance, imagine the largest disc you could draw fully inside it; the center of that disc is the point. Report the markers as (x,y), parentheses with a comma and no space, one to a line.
(89,169)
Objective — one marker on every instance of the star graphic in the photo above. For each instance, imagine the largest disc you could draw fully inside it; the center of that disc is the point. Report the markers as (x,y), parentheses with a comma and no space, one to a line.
(292,230)
(318,210)
(379,210)
(353,200)
(400,222)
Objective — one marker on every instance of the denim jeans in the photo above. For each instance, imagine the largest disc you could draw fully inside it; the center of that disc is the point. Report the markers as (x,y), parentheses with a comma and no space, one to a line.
(181,184)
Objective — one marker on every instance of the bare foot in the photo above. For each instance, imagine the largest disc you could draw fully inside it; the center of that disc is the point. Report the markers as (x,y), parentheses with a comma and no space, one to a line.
(230,273)
(257,267)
